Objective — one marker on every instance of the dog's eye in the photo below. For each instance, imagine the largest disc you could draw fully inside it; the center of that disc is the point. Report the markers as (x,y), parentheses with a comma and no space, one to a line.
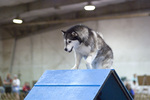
(69,41)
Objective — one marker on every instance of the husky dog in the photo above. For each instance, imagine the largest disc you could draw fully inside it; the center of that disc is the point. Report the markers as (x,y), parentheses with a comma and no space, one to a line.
(89,45)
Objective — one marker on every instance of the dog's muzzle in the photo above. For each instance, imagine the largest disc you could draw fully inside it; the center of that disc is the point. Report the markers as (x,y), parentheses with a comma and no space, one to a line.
(67,49)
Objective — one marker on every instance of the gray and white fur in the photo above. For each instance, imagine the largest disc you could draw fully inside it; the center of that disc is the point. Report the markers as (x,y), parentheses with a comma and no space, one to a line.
(89,45)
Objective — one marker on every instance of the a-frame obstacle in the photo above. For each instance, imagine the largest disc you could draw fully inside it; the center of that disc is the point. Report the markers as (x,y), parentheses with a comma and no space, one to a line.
(93,84)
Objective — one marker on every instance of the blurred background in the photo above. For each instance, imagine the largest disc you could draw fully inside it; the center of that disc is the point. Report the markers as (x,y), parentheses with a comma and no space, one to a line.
(31,40)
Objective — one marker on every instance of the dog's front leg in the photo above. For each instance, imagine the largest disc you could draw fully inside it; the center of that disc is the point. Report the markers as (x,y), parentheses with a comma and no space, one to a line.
(78,58)
(90,59)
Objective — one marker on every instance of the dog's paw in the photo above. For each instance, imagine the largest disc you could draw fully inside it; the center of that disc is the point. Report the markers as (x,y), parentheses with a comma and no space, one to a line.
(74,68)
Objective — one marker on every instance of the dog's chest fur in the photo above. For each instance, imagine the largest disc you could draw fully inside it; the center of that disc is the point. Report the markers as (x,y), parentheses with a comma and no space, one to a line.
(83,50)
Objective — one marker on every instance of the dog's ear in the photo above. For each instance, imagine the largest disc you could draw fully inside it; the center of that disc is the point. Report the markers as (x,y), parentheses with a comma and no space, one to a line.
(63,32)
(74,34)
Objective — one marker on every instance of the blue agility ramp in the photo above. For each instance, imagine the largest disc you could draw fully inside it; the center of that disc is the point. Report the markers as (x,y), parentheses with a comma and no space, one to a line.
(91,84)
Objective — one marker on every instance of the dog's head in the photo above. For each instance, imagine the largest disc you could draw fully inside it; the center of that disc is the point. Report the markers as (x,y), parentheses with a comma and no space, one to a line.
(71,40)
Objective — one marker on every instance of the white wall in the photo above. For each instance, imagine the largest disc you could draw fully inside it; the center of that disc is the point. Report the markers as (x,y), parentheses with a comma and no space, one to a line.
(5,56)
(1,58)
(128,38)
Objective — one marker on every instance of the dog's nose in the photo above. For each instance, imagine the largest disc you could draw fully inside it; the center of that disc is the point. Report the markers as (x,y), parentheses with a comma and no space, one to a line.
(65,49)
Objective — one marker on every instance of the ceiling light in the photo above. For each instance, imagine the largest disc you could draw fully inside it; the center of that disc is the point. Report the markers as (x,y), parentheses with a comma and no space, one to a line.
(89,7)
(17,21)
